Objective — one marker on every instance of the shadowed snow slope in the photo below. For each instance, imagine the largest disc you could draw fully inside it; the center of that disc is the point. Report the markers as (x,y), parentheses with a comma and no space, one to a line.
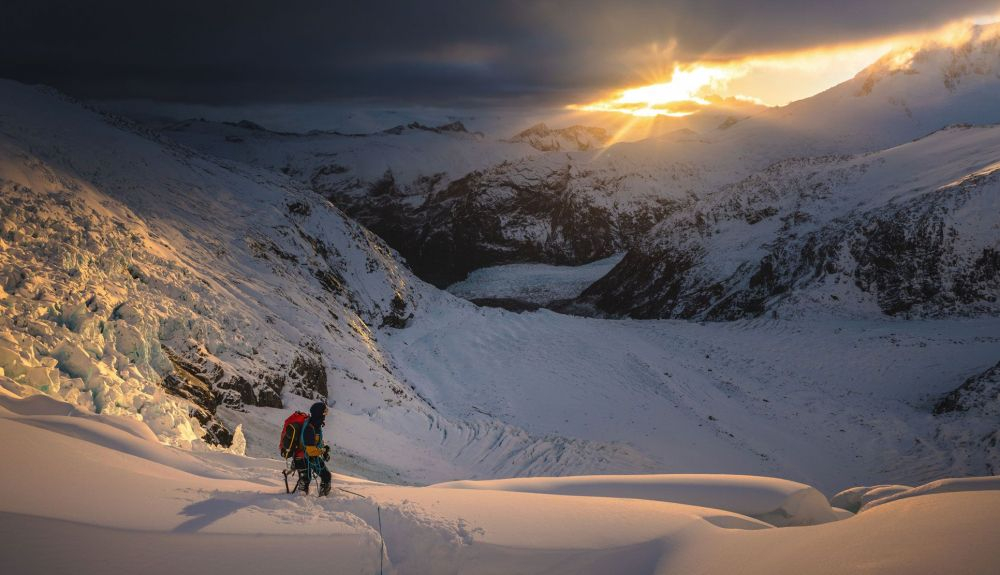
(829,403)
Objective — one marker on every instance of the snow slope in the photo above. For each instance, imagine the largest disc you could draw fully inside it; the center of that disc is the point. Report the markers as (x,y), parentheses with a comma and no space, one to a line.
(828,403)
(912,91)
(163,510)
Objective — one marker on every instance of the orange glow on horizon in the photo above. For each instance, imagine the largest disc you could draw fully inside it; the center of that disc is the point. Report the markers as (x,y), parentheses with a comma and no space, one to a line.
(771,79)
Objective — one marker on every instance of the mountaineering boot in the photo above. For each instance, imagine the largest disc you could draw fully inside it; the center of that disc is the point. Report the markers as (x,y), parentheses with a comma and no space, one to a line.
(302,485)
(324,489)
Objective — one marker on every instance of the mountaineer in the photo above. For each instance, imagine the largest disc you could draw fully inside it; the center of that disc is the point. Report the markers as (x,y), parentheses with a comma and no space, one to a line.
(302,440)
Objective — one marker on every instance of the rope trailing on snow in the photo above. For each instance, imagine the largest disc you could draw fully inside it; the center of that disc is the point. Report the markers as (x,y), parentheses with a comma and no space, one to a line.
(381,555)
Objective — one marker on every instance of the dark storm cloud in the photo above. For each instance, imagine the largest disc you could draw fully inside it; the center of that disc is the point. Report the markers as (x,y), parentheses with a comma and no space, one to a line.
(441,50)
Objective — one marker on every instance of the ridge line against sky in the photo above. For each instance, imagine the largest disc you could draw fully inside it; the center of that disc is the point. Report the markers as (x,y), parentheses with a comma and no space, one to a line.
(446,52)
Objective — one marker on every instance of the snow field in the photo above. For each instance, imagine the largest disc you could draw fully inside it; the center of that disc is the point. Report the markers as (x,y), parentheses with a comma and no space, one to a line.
(825,403)
(533,283)
(105,484)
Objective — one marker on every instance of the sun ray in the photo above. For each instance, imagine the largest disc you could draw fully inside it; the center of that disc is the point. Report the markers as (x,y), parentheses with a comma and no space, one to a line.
(771,79)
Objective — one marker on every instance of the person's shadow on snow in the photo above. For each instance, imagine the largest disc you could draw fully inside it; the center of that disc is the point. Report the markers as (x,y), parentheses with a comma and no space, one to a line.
(204,513)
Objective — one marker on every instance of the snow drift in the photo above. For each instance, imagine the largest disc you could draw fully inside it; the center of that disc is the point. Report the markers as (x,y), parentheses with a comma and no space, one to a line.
(163,509)
(776,501)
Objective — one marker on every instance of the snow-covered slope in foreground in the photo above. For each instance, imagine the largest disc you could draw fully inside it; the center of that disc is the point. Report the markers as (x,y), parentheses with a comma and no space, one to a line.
(108,498)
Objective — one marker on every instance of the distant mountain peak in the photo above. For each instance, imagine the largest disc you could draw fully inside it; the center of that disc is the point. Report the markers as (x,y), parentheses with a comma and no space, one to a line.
(455,126)
(956,57)
(546,139)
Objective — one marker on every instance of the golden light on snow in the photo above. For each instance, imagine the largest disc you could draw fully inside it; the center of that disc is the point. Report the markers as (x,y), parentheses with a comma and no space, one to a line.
(768,79)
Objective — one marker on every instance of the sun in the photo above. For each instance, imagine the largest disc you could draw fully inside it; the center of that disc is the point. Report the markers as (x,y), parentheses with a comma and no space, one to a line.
(773,79)
(683,94)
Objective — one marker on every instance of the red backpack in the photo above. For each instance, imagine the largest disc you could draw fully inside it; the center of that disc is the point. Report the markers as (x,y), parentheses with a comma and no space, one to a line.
(291,435)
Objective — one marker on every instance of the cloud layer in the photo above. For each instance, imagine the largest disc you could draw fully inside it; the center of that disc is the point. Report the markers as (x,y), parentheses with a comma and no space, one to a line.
(453,51)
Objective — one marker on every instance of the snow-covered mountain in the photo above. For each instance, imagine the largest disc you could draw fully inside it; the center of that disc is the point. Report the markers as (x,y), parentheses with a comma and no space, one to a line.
(908,93)
(128,262)
(451,201)
(912,230)
(197,295)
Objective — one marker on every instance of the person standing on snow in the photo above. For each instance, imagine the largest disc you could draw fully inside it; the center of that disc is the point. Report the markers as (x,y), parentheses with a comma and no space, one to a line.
(315,451)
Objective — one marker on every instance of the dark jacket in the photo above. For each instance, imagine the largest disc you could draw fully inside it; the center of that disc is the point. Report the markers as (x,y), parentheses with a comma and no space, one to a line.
(312,430)
(312,438)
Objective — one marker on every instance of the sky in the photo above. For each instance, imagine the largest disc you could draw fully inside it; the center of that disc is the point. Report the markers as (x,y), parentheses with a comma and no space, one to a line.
(445,52)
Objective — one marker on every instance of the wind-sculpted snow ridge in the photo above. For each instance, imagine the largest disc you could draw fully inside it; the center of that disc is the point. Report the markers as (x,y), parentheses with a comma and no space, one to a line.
(909,231)
(165,510)
(130,269)
(865,498)
(778,502)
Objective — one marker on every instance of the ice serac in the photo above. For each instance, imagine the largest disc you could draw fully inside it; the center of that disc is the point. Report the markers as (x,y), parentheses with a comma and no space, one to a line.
(143,279)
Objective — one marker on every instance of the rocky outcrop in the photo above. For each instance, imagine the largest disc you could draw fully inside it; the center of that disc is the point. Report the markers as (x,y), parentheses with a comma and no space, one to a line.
(979,393)
(969,417)
(187,381)
(511,213)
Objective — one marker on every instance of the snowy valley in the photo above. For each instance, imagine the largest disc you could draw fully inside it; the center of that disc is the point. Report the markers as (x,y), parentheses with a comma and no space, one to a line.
(718,345)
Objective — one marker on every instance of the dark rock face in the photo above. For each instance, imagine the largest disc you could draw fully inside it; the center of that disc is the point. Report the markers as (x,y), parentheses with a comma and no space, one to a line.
(307,376)
(397,317)
(495,217)
(205,383)
(189,382)
(968,418)
(978,393)
(913,257)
